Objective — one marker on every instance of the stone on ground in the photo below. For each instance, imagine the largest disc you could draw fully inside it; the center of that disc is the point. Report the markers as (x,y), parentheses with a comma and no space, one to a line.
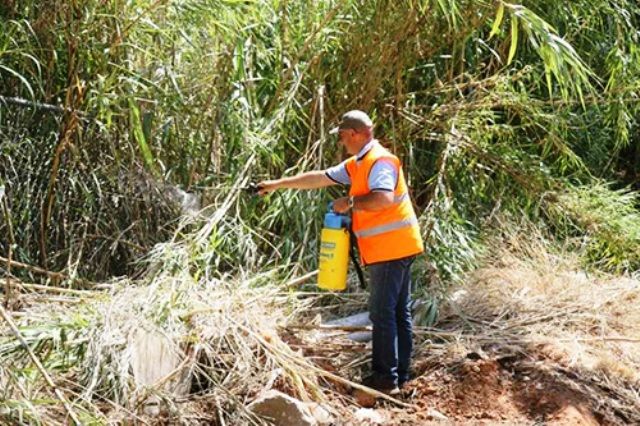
(284,410)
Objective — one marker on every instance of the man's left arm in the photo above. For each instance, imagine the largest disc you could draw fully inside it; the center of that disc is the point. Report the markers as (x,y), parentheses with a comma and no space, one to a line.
(373,201)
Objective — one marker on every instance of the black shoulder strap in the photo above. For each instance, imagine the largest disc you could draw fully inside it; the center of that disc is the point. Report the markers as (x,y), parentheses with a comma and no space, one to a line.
(354,259)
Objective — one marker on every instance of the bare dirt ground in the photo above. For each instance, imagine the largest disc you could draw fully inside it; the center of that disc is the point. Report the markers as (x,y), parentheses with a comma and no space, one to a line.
(507,389)
(497,386)
(526,343)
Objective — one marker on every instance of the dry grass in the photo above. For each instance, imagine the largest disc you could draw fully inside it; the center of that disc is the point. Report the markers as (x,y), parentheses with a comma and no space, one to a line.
(534,300)
(222,340)
(223,335)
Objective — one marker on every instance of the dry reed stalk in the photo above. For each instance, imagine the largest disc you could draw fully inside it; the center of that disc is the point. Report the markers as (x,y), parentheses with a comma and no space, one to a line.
(56,276)
(52,289)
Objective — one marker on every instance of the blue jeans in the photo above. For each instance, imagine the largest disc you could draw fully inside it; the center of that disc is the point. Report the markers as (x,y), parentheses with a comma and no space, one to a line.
(390,313)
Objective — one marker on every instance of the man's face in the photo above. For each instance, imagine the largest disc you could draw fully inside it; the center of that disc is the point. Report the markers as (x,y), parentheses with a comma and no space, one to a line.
(349,140)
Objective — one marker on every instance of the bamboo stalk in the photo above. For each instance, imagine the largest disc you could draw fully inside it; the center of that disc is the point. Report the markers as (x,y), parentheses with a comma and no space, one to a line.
(301,280)
(14,329)
(52,289)
(24,103)
(307,43)
(58,276)
(7,215)
(35,269)
(422,331)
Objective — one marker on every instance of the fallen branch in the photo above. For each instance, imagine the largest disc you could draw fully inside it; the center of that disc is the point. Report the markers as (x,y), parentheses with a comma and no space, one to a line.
(327,327)
(301,280)
(35,269)
(24,103)
(363,388)
(354,328)
(603,339)
(427,331)
(52,289)
(57,276)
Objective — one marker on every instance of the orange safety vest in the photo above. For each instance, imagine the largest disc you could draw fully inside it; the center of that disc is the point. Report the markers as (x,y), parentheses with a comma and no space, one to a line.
(391,233)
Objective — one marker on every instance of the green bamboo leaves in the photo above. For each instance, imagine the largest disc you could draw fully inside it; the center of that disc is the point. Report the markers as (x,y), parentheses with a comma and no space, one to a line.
(610,221)
(205,94)
(20,77)
(498,21)
(137,129)
(514,39)
(561,62)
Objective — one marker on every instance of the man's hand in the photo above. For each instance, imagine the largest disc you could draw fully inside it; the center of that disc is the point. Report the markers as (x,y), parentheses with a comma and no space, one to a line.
(341,205)
(267,186)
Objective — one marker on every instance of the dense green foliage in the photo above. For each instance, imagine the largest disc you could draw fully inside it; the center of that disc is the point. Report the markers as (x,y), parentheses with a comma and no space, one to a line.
(493,107)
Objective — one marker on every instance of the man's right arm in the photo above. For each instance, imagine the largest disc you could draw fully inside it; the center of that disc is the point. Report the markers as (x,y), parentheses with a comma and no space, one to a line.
(307,180)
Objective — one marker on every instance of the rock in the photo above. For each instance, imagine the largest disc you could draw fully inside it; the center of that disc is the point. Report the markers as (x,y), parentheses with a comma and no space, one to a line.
(436,415)
(282,410)
(360,336)
(364,399)
(367,415)
(321,414)
(152,407)
(458,295)
(360,319)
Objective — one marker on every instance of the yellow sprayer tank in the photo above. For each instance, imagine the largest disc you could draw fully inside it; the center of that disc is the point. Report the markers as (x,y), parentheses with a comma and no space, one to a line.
(334,252)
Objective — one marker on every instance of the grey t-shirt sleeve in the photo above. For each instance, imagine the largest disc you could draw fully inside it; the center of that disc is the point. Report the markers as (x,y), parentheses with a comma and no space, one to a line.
(383,176)
(339,174)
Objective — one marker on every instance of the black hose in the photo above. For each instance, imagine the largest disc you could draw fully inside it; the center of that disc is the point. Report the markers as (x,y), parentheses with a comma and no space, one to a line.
(354,259)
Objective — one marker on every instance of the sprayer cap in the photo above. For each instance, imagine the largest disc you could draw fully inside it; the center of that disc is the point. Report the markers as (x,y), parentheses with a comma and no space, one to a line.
(332,220)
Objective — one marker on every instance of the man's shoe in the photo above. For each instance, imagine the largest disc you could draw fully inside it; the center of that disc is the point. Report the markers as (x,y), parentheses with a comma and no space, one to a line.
(383,386)
(404,378)
(403,383)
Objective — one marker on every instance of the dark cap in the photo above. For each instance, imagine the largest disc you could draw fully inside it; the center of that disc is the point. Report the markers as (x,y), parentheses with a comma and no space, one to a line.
(355,119)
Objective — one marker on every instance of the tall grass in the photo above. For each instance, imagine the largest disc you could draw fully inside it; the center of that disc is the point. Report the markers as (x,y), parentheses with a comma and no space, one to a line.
(489,104)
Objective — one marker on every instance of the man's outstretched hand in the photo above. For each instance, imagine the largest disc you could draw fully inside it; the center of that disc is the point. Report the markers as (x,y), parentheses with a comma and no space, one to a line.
(267,186)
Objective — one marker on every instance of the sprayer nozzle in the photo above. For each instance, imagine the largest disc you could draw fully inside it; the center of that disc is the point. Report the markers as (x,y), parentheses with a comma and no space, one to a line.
(252,188)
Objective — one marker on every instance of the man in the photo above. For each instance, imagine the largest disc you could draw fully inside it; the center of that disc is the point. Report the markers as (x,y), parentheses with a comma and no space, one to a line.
(388,238)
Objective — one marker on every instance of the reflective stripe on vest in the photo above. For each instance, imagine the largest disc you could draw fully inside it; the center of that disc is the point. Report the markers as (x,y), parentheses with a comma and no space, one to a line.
(381,229)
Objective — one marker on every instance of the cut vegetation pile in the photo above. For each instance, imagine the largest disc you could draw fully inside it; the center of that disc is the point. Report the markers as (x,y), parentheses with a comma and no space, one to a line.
(187,348)
(530,338)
